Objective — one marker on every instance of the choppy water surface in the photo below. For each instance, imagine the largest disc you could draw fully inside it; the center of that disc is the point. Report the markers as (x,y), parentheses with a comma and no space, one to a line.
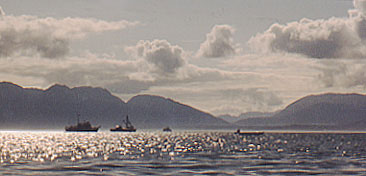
(181,153)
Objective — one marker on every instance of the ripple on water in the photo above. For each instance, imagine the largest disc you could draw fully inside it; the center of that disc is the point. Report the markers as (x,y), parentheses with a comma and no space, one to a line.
(180,153)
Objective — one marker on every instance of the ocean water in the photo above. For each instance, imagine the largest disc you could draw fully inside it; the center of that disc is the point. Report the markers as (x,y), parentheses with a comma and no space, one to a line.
(181,153)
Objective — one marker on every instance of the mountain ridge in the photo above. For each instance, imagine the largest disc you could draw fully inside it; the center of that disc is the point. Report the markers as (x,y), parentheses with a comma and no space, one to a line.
(58,106)
(330,109)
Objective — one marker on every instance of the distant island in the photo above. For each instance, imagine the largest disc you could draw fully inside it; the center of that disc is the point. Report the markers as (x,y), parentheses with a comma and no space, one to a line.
(59,105)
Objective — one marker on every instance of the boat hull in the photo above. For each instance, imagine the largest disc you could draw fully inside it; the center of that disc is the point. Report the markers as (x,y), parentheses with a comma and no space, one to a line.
(123,130)
(250,133)
(82,130)
(82,127)
(117,130)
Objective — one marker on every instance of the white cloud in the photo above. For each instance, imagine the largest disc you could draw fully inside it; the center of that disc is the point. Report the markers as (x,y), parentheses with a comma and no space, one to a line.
(325,39)
(341,38)
(331,38)
(164,58)
(219,43)
(360,5)
(48,37)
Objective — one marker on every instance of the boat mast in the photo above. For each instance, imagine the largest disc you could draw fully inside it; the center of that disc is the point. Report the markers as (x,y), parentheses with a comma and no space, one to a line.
(78,118)
(127,122)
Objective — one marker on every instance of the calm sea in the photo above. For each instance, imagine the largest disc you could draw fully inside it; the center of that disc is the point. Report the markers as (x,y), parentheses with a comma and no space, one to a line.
(181,153)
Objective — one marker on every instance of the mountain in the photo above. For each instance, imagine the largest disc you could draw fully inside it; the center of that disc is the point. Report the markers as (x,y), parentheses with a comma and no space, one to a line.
(329,109)
(57,106)
(155,111)
(233,119)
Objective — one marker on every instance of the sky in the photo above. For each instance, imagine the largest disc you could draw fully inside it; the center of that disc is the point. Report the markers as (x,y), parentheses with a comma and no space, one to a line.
(222,57)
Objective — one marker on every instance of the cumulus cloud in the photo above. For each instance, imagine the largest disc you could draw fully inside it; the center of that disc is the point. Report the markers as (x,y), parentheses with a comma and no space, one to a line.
(48,37)
(326,39)
(360,5)
(219,43)
(164,58)
(331,38)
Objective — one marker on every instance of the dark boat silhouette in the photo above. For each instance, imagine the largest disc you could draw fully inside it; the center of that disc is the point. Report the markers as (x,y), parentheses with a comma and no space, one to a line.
(249,132)
(127,128)
(167,129)
(82,127)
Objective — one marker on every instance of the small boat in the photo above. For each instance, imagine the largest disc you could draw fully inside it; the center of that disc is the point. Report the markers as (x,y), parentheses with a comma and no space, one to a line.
(167,129)
(128,127)
(82,127)
(249,132)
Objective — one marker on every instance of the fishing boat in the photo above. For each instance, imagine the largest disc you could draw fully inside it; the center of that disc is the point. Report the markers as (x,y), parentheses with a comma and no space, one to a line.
(167,129)
(82,127)
(128,127)
(249,132)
